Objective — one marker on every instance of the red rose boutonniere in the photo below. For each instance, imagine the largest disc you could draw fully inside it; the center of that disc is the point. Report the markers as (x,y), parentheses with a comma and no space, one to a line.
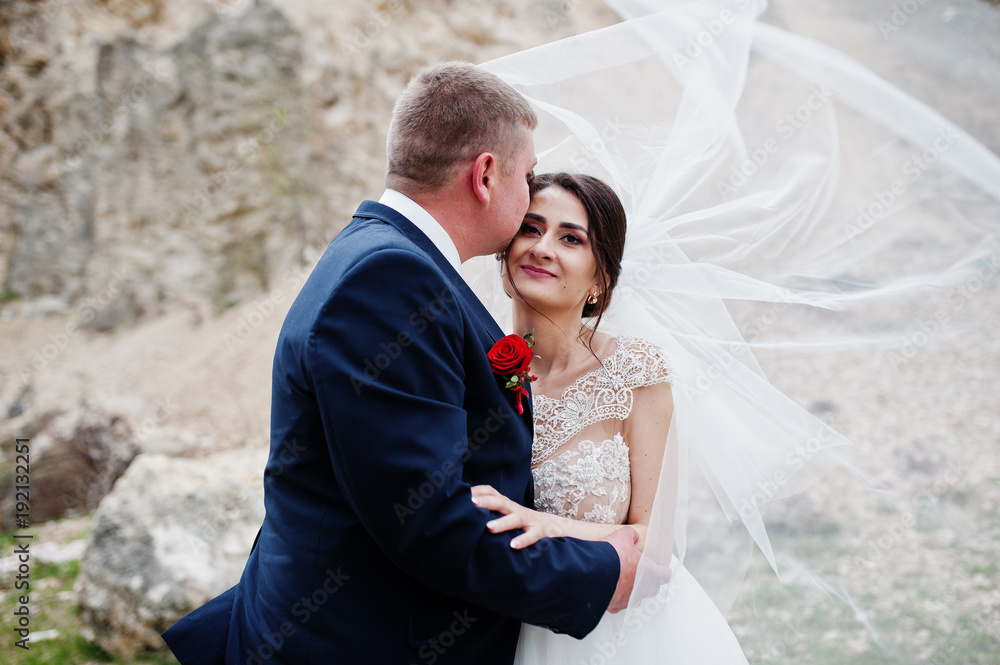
(510,358)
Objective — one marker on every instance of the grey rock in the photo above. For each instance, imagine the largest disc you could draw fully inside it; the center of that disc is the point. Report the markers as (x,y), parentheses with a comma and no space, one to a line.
(173,534)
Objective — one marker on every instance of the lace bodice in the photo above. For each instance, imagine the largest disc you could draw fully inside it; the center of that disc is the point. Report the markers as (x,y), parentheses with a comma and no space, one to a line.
(575,476)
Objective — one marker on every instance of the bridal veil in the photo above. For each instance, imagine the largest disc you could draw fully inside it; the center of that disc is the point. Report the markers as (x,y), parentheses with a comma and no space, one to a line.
(781,199)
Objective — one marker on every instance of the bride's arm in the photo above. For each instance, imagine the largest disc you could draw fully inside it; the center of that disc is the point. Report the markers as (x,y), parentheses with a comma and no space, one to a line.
(646,433)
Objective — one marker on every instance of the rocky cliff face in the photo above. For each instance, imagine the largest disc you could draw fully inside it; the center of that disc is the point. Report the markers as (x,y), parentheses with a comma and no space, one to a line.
(202,154)
(176,169)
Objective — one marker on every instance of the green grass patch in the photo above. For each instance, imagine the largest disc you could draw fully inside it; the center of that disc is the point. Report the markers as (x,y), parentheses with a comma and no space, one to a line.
(52,608)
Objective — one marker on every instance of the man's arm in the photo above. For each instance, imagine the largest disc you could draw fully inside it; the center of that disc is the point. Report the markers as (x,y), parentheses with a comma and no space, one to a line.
(386,360)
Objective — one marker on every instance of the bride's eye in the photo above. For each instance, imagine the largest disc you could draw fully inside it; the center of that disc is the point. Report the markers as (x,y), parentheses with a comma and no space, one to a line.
(529,228)
(572,239)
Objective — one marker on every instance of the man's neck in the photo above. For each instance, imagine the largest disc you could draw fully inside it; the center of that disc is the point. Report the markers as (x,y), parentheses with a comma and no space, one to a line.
(452,213)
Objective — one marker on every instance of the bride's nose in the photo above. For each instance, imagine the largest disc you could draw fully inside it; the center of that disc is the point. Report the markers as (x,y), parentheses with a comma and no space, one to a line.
(542,249)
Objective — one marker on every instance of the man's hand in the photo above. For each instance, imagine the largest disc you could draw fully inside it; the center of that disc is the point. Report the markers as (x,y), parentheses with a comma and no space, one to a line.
(624,541)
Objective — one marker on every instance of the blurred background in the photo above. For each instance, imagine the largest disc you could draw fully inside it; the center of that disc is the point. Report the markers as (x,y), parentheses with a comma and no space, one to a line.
(170,172)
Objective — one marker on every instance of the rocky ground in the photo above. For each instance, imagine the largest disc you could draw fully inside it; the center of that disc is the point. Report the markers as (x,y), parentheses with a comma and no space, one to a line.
(174,360)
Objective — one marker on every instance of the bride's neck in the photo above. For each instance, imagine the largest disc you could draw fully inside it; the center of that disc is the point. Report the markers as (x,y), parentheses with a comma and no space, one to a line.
(558,346)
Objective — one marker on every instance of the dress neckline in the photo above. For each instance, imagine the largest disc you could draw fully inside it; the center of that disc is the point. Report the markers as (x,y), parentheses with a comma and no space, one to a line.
(562,396)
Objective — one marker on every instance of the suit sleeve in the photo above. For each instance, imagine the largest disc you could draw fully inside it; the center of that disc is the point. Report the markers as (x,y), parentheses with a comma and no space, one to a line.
(386,361)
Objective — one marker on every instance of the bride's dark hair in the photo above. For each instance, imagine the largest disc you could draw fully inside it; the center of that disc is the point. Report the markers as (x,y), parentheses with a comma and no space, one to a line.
(606,222)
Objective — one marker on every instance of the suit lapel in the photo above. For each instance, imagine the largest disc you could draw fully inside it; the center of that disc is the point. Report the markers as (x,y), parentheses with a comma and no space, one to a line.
(487,324)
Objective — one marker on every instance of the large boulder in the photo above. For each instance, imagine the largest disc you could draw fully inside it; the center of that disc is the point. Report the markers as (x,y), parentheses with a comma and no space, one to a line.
(171,535)
(77,456)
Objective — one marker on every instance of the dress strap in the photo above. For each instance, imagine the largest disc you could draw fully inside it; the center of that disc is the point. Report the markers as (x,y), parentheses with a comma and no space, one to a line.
(601,394)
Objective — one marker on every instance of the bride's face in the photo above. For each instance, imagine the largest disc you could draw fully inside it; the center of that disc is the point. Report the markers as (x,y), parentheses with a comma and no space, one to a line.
(551,261)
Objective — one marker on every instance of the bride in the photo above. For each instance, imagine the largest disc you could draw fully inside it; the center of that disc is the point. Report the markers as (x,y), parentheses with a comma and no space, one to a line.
(602,408)
(782,201)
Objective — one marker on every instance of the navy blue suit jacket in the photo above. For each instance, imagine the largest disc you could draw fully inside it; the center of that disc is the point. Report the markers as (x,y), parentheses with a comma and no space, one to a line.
(384,411)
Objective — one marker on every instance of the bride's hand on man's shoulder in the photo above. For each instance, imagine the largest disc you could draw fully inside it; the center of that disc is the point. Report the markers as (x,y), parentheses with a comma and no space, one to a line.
(536,525)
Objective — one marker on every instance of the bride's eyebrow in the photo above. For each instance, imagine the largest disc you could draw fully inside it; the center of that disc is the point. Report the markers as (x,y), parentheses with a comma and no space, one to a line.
(562,225)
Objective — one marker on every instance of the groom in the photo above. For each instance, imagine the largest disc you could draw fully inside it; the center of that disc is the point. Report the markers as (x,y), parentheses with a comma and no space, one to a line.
(385,410)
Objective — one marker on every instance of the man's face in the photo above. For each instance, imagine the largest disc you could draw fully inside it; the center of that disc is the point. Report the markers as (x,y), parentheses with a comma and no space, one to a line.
(512,193)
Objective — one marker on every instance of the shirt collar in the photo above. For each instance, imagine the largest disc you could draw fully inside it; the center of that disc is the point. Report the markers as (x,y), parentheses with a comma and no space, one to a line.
(424,221)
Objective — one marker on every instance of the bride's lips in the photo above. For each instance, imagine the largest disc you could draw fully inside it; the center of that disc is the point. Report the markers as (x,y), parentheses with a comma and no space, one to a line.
(535,271)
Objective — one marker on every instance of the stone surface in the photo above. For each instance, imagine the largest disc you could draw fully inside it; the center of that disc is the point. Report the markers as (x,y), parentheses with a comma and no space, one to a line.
(75,458)
(148,155)
(173,534)
(166,176)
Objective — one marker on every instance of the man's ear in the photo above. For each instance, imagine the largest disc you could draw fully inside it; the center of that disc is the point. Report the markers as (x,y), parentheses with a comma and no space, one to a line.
(484,173)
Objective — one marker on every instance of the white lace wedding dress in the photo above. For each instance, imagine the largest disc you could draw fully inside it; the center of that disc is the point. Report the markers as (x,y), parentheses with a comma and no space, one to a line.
(580,463)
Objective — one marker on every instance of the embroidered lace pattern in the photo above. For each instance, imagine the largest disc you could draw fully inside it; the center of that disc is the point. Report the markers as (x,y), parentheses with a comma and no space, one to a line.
(587,480)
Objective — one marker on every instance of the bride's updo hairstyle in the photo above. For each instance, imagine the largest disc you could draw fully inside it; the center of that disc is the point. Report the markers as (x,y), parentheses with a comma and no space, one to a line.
(606,221)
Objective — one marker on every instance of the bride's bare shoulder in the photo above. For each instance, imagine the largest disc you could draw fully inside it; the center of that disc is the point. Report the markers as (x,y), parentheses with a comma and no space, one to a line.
(603,344)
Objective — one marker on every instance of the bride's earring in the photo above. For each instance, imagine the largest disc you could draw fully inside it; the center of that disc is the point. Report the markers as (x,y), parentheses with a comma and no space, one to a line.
(592,299)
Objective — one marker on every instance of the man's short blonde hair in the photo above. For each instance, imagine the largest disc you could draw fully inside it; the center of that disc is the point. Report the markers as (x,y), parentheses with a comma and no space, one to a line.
(448,115)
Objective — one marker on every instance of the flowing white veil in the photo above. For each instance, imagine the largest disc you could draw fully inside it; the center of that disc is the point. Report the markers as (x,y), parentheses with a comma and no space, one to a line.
(780,197)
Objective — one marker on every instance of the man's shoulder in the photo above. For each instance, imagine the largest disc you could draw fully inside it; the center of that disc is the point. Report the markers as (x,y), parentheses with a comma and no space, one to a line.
(366,234)
(367,250)
(367,239)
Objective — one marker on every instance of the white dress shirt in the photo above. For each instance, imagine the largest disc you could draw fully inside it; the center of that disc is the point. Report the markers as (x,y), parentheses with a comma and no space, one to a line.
(424,221)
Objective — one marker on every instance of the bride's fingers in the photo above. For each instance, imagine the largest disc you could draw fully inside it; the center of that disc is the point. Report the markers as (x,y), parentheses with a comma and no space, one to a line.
(527,539)
(499,503)
(506,523)
(484,490)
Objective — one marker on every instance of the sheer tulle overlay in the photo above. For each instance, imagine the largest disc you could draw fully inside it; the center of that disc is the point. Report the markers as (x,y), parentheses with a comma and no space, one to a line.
(780,197)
